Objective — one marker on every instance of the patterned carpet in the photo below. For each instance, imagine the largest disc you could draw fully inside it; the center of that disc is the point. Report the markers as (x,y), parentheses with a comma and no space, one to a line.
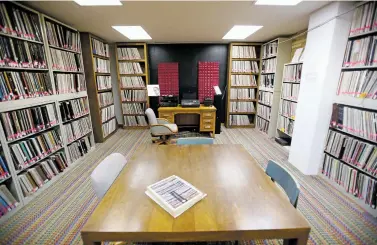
(57,215)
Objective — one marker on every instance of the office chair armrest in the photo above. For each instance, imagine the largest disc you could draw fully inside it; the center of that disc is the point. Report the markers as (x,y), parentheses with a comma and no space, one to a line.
(162,121)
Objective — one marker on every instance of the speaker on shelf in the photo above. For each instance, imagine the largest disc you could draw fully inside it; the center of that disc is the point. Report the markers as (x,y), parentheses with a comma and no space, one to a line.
(217,102)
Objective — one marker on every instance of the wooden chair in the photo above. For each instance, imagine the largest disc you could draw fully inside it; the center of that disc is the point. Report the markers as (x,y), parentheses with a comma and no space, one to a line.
(104,175)
(195,141)
(284,179)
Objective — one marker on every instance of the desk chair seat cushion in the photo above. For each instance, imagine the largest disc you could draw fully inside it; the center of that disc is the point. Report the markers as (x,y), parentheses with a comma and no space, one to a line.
(104,175)
(166,129)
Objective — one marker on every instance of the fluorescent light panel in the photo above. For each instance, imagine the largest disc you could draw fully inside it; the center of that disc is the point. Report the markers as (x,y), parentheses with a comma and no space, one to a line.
(98,2)
(277,2)
(133,32)
(241,32)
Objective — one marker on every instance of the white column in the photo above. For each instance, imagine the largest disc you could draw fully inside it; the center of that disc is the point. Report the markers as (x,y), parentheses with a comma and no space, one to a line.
(323,58)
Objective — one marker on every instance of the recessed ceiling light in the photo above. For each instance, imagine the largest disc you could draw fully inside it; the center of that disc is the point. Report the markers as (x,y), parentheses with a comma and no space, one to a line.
(277,2)
(98,2)
(133,32)
(241,32)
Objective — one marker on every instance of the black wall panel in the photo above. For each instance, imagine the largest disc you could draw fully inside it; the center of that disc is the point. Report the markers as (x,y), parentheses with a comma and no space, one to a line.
(188,56)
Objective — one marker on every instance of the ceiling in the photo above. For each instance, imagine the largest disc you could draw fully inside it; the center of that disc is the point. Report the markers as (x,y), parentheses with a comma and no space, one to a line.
(182,21)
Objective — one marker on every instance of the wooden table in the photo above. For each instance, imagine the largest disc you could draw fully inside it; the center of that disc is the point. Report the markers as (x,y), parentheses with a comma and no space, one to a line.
(242,202)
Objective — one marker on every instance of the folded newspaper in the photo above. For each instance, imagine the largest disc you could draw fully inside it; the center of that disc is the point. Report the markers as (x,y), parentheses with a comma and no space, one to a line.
(174,194)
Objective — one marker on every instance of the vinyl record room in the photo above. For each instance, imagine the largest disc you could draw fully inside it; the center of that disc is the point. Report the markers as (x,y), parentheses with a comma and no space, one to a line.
(188,122)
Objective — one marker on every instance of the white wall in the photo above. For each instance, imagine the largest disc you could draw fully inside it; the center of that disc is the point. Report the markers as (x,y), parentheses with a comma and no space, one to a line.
(324,51)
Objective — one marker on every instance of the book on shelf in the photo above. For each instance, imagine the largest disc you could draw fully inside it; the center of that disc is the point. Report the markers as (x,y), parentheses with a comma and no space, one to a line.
(23,122)
(65,61)
(269,66)
(243,80)
(358,84)
(107,113)
(4,171)
(292,73)
(262,124)
(241,107)
(7,200)
(267,81)
(135,121)
(264,111)
(132,82)
(174,195)
(22,85)
(71,109)
(79,148)
(109,127)
(18,22)
(37,176)
(355,121)
(105,99)
(357,184)
(62,36)
(288,108)
(134,95)
(243,52)
(103,82)
(21,54)
(361,52)
(285,125)
(77,129)
(245,66)
(100,48)
(290,91)
(134,108)
(270,49)
(239,120)
(298,56)
(128,54)
(364,19)
(27,152)
(101,65)
(69,83)
(242,93)
(265,97)
(353,151)
(130,68)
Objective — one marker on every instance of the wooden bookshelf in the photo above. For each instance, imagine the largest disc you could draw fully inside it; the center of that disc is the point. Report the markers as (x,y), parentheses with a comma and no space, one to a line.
(285,122)
(54,99)
(256,75)
(89,55)
(142,61)
(282,55)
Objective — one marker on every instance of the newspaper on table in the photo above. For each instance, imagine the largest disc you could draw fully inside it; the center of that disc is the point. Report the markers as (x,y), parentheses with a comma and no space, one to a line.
(174,194)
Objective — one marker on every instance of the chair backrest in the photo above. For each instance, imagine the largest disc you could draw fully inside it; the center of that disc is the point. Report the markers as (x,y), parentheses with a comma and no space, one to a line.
(195,141)
(151,117)
(104,175)
(285,180)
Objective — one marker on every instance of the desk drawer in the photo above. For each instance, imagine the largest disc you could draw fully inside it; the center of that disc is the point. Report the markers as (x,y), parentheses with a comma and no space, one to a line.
(208,114)
(207,120)
(207,127)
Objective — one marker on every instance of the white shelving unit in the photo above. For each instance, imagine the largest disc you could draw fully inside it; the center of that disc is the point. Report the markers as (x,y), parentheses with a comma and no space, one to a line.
(282,56)
(13,182)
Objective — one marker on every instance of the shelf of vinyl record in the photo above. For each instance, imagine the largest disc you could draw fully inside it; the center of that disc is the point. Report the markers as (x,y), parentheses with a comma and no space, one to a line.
(133,80)
(350,160)
(33,56)
(243,84)
(39,143)
(358,79)
(288,101)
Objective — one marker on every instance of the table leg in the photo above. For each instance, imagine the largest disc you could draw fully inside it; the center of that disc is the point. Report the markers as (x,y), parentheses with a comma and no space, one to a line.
(302,240)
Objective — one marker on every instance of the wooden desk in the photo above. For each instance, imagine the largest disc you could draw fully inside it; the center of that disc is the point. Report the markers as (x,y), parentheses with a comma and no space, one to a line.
(242,202)
(207,115)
